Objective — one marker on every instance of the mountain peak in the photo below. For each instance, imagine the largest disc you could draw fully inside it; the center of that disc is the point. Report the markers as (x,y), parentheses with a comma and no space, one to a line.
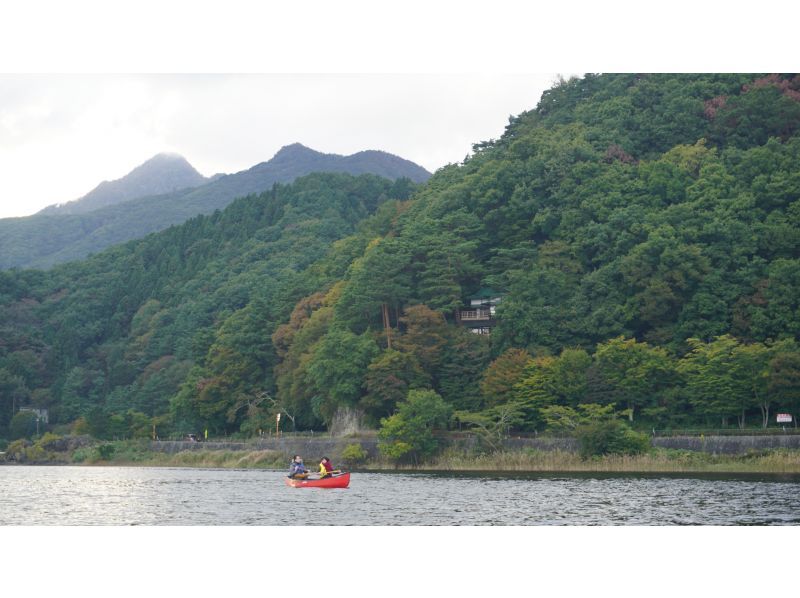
(167,157)
(163,173)
(293,150)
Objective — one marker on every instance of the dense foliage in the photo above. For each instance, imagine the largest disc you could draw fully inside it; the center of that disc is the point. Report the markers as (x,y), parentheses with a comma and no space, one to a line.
(178,326)
(644,232)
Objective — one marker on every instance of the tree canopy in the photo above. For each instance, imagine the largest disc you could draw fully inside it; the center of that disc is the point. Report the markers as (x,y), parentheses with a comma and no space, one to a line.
(642,231)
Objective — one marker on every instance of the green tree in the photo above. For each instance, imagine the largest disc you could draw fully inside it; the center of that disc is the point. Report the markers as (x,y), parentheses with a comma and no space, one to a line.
(493,424)
(784,380)
(23,425)
(425,336)
(557,382)
(13,393)
(379,283)
(709,371)
(635,371)
(570,375)
(408,434)
(463,361)
(559,418)
(388,379)
(338,368)
(751,375)
(295,388)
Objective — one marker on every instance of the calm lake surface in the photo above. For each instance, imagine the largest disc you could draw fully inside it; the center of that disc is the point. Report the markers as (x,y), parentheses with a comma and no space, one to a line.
(44,495)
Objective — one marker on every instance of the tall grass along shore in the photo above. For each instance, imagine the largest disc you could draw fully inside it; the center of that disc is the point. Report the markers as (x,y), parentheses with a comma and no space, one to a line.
(137,453)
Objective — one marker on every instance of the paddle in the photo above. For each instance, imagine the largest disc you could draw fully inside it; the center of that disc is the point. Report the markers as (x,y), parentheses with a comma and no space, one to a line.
(333,471)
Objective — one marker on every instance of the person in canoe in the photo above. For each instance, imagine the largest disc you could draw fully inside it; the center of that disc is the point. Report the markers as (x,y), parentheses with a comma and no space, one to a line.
(297,470)
(325,468)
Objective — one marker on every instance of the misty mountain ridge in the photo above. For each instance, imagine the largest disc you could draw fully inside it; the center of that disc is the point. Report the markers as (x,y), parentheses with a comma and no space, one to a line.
(163,173)
(74,230)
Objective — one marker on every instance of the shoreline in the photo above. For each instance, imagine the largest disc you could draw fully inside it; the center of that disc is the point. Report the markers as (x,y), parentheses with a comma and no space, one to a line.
(663,461)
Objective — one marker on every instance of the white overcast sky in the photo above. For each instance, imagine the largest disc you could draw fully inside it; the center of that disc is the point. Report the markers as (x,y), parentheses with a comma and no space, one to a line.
(60,135)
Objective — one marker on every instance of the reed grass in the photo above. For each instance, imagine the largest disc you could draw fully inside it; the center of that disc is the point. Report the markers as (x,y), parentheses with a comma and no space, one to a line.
(659,460)
(264,459)
(524,460)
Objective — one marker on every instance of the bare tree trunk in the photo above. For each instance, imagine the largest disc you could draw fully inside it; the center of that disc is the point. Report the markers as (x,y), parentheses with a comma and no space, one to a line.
(387,324)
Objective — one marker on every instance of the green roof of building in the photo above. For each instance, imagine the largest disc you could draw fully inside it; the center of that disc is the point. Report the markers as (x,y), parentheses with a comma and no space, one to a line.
(486,293)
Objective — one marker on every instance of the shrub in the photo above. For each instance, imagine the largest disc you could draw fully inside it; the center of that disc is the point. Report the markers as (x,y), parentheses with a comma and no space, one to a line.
(611,437)
(408,434)
(51,442)
(105,451)
(84,454)
(354,455)
(36,454)
(16,450)
(80,427)
(127,451)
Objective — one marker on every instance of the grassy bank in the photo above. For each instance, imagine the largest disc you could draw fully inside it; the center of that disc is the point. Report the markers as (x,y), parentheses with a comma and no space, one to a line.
(138,453)
(659,460)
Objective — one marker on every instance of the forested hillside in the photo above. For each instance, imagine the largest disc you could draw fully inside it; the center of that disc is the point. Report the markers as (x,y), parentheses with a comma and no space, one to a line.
(59,235)
(642,231)
(117,334)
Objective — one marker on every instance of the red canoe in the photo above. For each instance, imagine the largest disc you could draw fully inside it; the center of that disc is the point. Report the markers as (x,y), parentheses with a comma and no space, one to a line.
(337,481)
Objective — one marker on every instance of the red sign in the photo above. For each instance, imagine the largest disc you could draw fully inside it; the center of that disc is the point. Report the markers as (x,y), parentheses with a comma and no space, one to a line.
(784,418)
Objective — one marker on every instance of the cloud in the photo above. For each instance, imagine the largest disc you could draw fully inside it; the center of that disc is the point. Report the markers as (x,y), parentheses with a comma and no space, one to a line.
(60,135)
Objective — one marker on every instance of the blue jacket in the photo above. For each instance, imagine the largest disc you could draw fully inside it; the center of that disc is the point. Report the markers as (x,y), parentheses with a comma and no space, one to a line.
(296,468)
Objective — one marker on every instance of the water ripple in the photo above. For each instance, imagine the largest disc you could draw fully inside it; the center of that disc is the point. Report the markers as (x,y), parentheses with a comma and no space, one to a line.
(173,496)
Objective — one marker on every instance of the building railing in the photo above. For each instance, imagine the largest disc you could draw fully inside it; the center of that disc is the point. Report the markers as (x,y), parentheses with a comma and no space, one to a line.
(475,314)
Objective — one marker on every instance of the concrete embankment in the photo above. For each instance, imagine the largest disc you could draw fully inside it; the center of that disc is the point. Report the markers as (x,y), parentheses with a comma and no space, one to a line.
(315,447)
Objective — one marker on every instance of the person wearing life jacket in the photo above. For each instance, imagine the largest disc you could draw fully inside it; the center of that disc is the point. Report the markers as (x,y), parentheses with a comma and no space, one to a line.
(325,468)
(296,468)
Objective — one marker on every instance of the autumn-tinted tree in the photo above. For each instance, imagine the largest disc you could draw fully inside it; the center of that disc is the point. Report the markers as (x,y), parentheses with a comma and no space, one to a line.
(499,379)
(389,378)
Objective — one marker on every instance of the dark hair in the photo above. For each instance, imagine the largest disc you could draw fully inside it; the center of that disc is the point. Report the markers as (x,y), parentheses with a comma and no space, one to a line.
(324,458)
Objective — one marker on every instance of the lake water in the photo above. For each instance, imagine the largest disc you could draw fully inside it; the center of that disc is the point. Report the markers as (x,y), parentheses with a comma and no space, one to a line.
(173,496)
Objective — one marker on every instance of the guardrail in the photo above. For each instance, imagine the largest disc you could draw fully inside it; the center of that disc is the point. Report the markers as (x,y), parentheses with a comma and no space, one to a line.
(727,432)
(465,434)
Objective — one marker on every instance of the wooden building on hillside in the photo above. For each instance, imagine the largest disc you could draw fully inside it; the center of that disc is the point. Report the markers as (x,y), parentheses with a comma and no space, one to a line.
(479,317)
